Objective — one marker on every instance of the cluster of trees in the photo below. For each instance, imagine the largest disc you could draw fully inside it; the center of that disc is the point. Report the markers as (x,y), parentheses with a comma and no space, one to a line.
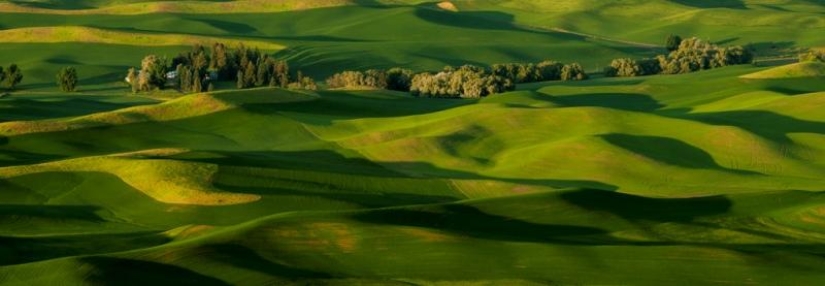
(626,67)
(536,72)
(686,56)
(694,54)
(193,68)
(67,79)
(150,76)
(11,76)
(812,56)
(393,79)
(196,70)
(466,81)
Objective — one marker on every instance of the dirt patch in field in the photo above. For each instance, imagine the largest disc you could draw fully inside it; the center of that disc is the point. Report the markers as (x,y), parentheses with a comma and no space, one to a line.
(447,5)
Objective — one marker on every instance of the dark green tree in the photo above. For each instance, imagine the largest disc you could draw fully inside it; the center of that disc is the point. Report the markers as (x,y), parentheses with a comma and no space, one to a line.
(13,76)
(67,79)
(672,43)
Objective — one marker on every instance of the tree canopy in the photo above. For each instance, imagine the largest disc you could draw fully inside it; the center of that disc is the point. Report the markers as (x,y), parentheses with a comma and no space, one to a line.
(67,79)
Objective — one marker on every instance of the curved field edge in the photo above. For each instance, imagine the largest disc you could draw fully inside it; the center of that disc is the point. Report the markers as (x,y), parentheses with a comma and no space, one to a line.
(186,7)
(94,35)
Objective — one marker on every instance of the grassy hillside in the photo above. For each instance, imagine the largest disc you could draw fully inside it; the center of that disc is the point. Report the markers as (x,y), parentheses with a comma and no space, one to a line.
(271,186)
(805,69)
(713,177)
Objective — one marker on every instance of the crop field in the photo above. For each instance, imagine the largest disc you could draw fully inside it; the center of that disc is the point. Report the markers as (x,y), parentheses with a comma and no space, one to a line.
(712,177)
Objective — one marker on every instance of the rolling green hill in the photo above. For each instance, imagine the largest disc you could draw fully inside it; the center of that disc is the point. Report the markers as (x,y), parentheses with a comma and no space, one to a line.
(713,177)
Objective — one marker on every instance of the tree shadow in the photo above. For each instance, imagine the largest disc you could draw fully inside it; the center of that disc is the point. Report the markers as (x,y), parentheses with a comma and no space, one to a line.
(62,60)
(122,271)
(667,150)
(772,48)
(726,41)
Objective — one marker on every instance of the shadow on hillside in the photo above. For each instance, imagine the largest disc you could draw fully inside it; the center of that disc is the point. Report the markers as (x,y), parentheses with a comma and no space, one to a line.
(313,160)
(245,258)
(689,214)
(792,86)
(769,125)
(31,249)
(465,220)
(709,4)
(621,101)
(352,104)
(122,271)
(34,109)
(637,208)
(667,150)
(428,170)
(765,124)
(22,157)
(227,26)
(61,4)
(378,197)
(767,49)
(424,175)
(318,38)
(51,212)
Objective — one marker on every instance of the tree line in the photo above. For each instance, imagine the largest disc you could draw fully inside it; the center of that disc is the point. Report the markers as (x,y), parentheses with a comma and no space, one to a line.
(198,69)
(685,56)
(467,81)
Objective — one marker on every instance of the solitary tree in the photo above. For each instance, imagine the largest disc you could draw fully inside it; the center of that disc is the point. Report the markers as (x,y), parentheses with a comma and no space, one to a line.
(67,79)
(673,42)
(13,76)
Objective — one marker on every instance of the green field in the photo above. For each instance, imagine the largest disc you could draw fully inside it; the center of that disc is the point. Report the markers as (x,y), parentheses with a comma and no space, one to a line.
(713,177)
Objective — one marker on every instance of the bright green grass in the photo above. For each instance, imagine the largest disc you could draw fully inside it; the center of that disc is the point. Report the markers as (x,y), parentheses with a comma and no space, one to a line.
(704,178)
(770,25)
(805,69)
